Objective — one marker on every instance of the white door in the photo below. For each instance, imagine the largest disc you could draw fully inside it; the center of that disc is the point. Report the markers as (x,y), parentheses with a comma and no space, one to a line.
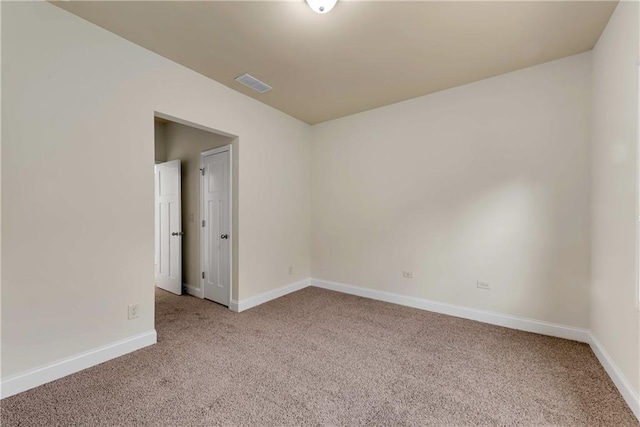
(168,222)
(215,240)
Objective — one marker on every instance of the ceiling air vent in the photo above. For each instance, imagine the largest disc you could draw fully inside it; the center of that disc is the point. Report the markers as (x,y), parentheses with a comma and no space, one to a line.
(253,83)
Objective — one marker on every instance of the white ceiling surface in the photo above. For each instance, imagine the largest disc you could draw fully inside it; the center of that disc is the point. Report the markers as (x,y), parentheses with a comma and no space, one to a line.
(361,55)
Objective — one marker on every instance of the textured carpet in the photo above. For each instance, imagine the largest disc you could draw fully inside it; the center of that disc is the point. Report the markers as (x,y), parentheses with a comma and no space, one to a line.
(324,358)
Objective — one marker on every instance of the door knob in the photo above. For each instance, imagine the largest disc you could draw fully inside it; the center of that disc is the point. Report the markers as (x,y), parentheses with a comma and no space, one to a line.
(224,236)
(178,233)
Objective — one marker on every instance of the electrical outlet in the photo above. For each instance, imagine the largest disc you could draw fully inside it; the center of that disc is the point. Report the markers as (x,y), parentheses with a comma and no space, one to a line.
(290,271)
(134,311)
(483,285)
(407,274)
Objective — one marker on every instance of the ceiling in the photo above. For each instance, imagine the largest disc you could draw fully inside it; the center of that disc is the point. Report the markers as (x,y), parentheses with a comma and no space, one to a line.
(359,56)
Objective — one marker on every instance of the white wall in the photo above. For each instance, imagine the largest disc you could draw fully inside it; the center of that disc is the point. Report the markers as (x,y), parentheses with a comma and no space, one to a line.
(160,144)
(615,318)
(78,219)
(488,181)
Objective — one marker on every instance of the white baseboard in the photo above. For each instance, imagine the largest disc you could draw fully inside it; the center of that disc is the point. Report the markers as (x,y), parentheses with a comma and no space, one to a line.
(44,374)
(196,292)
(624,386)
(24,381)
(248,303)
(514,322)
(506,320)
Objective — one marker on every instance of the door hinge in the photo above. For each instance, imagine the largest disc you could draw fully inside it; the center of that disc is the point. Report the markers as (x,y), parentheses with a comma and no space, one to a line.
(203,274)
(203,222)
(202,171)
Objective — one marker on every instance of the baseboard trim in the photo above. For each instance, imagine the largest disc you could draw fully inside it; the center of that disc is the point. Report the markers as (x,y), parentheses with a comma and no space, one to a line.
(624,386)
(248,303)
(24,381)
(35,377)
(514,322)
(493,318)
(196,292)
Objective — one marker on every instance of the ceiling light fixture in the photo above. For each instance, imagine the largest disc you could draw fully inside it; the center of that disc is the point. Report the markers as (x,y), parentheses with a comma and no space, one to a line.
(321,6)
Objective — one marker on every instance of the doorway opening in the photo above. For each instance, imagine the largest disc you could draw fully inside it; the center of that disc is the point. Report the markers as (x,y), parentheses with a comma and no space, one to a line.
(195,194)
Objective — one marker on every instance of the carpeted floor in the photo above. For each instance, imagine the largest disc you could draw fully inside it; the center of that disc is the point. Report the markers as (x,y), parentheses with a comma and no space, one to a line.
(323,358)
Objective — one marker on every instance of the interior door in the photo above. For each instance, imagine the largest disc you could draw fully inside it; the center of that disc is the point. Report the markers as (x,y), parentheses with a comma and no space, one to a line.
(216,279)
(168,226)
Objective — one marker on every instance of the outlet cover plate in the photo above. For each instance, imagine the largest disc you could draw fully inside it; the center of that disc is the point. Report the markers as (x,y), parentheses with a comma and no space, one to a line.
(483,285)
(134,311)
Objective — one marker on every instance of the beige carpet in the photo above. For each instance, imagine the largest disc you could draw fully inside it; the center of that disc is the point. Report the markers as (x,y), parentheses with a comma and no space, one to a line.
(323,358)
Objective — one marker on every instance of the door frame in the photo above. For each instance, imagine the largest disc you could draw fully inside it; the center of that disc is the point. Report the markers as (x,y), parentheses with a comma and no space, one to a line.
(231,238)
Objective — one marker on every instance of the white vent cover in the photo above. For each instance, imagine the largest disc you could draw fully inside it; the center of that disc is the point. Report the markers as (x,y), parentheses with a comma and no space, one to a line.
(253,83)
